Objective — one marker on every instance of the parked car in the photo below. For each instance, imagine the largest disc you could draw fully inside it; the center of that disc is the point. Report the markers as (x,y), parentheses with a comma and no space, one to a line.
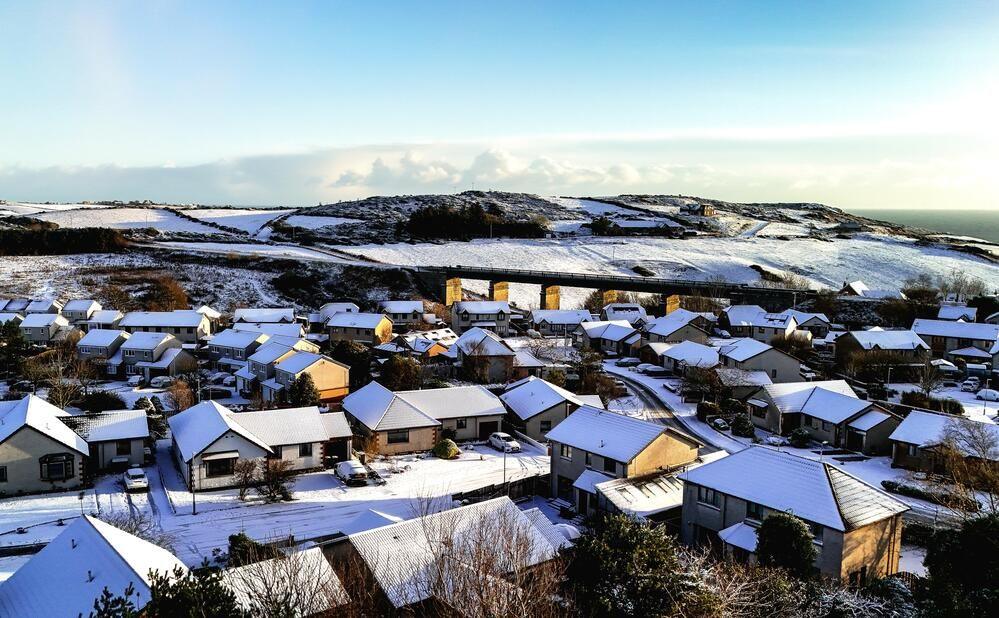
(136,381)
(644,367)
(620,389)
(161,382)
(777,441)
(218,377)
(351,472)
(504,442)
(628,362)
(658,372)
(135,480)
(229,381)
(215,392)
(988,394)
(971,385)
(720,424)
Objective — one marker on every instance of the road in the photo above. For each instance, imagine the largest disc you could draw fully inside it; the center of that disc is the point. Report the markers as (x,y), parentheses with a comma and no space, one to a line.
(657,410)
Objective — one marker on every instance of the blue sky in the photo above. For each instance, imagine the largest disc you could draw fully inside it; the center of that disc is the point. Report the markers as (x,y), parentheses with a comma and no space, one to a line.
(883,104)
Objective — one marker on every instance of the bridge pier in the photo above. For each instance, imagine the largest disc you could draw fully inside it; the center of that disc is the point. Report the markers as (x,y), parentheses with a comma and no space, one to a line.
(499,290)
(672,303)
(550,296)
(609,296)
(452,291)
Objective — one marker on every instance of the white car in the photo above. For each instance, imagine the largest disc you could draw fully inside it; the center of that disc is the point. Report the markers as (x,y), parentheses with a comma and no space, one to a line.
(135,480)
(161,382)
(988,394)
(970,385)
(777,441)
(720,424)
(503,442)
(644,367)
(351,472)
(135,381)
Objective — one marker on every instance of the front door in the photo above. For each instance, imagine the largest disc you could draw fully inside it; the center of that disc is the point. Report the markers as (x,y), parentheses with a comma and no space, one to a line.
(583,502)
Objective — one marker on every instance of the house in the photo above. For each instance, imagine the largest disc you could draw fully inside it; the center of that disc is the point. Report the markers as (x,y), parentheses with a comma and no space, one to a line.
(187,326)
(208,439)
(740,383)
(410,421)
(752,321)
(484,357)
(73,570)
(673,328)
(816,323)
(697,210)
(857,528)
(116,438)
(593,445)
(42,328)
(617,337)
(274,579)
(954,313)
(632,313)
(402,558)
(100,346)
(331,378)
(918,441)
(536,406)
(16,318)
(153,354)
(678,357)
(905,345)
(859,288)
(38,452)
(444,336)
(270,315)
(419,347)
(829,410)
(80,310)
(260,364)
(752,355)
(402,312)
(945,336)
(330,309)
(558,322)
(230,349)
(367,328)
(491,315)
(291,332)
(43,305)
(106,319)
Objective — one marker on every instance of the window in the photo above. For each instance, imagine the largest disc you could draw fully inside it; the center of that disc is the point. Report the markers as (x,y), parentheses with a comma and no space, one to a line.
(773,373)
(219,467)
(305,450)
(546,426)
(826,426)
(610,465)
(461,423)
(565,451)
(589,460)
(912,450)
(398,436)
(56,467)
(123,447)
(3,474)
(706,495)
(754,511)
(816,531)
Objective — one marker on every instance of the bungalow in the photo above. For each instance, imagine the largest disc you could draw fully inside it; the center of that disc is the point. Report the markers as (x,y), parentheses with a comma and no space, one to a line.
(331,378)
(673,328)
(208,439)
(536,406)
(944,336)
(38,452)
(273,579)
(632,313)
(830,411)
(753,321)
(617,337)
(816,323)
(72,571)
(100,346)
(79,311)
(857,528)
(154,354)
(106,319)
(955,313)
(43,305)
(269,315)
(187,326)
(42,328)
(752,355)
(403,312)
(558,322)
(230,348)
(492,315)
(465,412)
(403,559)
(367,328)
(593,445)
(115,438)
(260,364)
(918,440)
(905,345)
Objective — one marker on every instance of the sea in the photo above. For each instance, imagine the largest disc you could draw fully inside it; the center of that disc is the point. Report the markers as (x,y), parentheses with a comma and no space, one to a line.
(982,224)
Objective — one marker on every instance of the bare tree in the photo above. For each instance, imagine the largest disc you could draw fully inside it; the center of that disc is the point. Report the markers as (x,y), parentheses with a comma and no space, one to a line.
(142,526)
(245,472)
(930,379)
(970,453)
(180,396)
(297,584)
(87,373)
(275,477)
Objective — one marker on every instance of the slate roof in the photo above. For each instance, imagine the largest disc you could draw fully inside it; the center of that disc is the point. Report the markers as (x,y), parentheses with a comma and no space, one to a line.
(531,396)
(356,320)
(110,425)
(101,338)
(43,417)
(197,427)
(609,434)
(379,409)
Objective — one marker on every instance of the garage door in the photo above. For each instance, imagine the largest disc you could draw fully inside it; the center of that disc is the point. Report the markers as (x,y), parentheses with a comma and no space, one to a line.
(486,428)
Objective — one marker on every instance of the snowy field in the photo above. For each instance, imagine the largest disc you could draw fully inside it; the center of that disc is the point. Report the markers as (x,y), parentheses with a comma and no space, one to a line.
(313,222)
(125,219)
(271,251)
(881,261)
(250,220)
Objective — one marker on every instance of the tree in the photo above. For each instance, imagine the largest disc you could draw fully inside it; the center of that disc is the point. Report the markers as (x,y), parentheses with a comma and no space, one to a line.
(87,373)
(785,541)
(276,585)
(100,401)
(702,383)
(180,396)
(245,472)
(109,605)
(930,379)
(356,356)
(969,453)
(303,392)
(401,374)
(963,567)
(113,296)
(622,567)
(185,594)
(243,550)
(275,479)
(556,377)
(141,525)
(743,427)
(14,348)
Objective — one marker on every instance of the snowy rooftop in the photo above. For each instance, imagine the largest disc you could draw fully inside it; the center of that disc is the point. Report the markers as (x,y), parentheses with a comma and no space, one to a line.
(869,420)
(39,320)
(71,572)
(300,361)
(628,312)
(162,318)
(270,352)
(42,304)
(230,338)
(743,349)
(740,535)
(291,425)
(164,361)
(927,429)
(145,341)
(607,434)
(831,400)
(739,377)
(961,330)
(198,427)
(531,396)
(379,409)
(101,338)
(273,329)
(81,305)
(7,317)
(889,340)
(743,314)
(693,354)
(356,320)
(815,491)
(330,308)
(110,425)
(323,593)
(589,479)
(105,316)
(645,495)
(560,316)
(481,342)
(481,306)
(401,306)
(43,417)
(803,316)
(957,312)
(269,314)
(454,402)
(611,330)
